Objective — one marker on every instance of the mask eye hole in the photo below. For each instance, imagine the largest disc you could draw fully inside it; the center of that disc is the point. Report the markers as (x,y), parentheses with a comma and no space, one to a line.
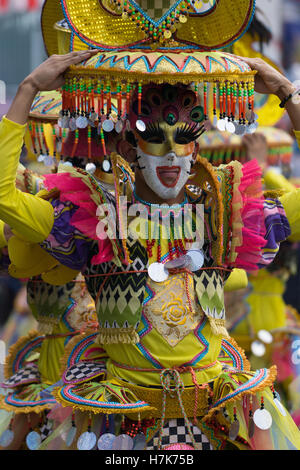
(182,140)
(155,140)
(187,133)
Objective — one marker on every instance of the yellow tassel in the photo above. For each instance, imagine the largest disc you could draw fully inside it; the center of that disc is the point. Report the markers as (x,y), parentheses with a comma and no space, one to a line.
(45,329)
(46,324)
(117,335)
(218,327)
(274,193)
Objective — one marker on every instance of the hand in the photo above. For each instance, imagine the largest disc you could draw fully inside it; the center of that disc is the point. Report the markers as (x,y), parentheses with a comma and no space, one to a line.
(50,74)
(47,76)
(256,147)
(268,80)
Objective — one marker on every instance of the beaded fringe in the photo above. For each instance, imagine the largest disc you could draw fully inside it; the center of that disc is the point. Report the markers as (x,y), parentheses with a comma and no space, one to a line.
(117,335)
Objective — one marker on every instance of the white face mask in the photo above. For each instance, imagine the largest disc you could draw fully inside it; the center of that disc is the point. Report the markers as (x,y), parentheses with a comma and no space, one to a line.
(156,169)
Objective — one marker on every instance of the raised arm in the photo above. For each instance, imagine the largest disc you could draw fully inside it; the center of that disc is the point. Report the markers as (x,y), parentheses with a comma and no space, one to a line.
(29,216)
(269,81)
(47,76)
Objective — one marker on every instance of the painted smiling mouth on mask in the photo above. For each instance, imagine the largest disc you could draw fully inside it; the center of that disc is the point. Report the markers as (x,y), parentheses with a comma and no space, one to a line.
(168,175)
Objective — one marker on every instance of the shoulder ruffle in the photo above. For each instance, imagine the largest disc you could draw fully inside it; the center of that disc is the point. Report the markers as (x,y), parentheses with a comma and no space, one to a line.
(277,229)
(249,252)
(256,225)
(246,218)
(86,194)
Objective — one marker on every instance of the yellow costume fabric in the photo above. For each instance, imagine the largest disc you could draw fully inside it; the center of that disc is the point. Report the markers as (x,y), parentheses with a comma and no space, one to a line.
(266,302)
(291,204)
(237,280)
(51,352)
(290,199)
(31,216)
(3,241)
(267,308)
(274,180)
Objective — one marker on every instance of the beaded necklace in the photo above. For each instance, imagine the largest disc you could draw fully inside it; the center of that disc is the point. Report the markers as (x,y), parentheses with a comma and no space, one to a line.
(176,244)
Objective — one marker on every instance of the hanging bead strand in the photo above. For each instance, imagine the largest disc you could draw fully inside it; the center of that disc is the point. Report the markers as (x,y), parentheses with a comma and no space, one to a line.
(240,105)
(221,91)
(205,101)
(75,143)
(215,103)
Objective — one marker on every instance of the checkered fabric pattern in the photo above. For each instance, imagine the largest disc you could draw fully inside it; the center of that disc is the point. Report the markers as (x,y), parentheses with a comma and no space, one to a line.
(176,432)
(83,371)
(46,429)
(156,8)
(26,375)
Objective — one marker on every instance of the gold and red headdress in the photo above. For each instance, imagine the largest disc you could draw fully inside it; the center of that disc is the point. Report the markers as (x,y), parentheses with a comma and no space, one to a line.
(144,44)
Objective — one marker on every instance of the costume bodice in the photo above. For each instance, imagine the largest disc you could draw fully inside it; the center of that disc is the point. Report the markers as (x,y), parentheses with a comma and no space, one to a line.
(170,318)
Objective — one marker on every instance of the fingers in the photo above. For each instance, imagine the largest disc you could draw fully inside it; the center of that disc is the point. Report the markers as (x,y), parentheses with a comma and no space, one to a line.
(255,63)
(50,74)
(78,55)
(247,140)
(258,64)
(262,66)
(78,58)
(62,62)
(74,54)
(249,61)
(252,62)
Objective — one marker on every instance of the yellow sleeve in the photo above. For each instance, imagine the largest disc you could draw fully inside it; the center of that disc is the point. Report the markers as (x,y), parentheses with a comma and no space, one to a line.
(237,280)
(30,216)
(291,204)
(3,241)
(273,180)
